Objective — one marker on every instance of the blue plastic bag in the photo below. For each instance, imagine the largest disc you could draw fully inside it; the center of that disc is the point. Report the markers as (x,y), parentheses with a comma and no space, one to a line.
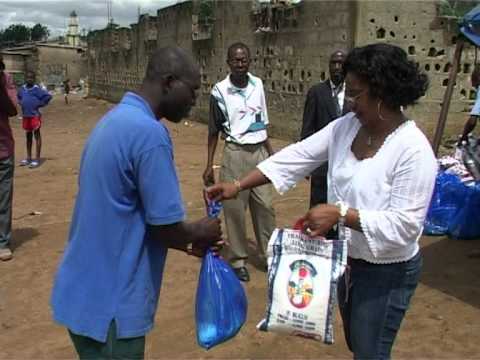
(465,224)
(214,208)
(447,199)
(221,303)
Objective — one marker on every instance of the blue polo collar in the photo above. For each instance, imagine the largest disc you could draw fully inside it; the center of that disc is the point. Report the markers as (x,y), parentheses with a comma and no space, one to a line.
(136,100)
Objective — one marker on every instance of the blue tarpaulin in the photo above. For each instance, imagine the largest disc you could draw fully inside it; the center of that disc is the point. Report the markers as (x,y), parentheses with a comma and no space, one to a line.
(470,25)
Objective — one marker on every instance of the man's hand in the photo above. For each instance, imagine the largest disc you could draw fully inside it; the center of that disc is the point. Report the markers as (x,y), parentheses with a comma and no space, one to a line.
(208,235)
(468,128)
(222,191)
(208,176)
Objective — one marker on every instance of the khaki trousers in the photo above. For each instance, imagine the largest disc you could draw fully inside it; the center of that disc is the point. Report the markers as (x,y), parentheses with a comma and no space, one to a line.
(239,160)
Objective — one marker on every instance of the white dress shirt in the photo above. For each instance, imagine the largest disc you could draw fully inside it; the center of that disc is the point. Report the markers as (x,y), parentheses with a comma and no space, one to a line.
(338,93)
(391,190)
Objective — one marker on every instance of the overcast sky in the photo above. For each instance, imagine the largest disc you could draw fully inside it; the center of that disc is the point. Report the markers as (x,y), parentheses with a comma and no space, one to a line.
(92,14)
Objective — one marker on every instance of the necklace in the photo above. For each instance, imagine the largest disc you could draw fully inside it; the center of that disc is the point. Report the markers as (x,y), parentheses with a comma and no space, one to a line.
(371,138)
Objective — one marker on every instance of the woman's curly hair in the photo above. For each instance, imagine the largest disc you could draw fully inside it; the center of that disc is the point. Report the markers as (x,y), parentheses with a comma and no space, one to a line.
(390,75)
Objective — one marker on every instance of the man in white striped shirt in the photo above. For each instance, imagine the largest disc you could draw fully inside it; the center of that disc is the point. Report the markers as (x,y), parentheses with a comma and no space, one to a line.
(238,111)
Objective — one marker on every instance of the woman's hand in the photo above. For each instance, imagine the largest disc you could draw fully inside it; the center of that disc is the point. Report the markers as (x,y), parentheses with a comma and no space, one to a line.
(222,191)
(320,219)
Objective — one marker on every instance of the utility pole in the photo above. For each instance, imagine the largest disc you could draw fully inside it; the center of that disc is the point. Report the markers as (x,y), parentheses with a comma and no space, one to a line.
(442,119)
(109,12)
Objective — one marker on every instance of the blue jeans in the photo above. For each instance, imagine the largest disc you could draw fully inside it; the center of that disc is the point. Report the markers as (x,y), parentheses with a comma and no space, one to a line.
(378,298)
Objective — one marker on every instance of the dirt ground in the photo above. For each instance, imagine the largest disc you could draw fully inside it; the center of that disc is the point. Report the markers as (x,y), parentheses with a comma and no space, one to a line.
(443,323)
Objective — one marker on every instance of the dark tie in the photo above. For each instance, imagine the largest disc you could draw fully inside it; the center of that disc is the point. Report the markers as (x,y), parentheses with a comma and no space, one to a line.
(336,91)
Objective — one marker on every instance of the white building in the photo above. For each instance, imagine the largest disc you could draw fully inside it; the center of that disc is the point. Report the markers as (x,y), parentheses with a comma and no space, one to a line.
(73,33)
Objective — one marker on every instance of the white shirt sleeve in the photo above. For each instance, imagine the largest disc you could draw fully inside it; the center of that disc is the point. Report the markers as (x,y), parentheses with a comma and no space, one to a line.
(264,106)
(298,160)
(476,107)
(402,222)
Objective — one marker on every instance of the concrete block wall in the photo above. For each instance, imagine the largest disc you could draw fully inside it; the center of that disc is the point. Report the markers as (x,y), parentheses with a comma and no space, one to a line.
(292,59)
(289,61)
(430,41)
(55,64)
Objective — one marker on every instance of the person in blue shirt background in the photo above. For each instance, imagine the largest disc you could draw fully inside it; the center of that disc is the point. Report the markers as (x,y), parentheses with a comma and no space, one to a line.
(31,98)
(127,213)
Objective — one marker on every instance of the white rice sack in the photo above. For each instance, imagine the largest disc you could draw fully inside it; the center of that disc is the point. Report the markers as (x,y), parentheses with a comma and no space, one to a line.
(302,284)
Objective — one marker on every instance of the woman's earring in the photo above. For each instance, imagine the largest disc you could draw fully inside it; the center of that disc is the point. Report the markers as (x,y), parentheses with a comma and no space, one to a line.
(378,111)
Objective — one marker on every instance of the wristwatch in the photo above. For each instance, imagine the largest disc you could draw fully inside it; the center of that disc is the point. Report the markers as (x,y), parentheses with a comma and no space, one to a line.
(343,212)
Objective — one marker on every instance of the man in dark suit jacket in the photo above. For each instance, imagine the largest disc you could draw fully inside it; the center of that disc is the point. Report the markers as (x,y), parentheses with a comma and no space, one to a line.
(324,103)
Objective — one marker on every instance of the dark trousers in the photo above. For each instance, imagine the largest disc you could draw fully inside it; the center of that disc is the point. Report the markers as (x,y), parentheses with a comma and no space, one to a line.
(87,348)
(378,298)
(6,195)
(318,189)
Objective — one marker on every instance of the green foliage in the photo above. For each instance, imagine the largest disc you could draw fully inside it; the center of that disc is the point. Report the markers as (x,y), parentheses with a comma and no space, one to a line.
(205,11)
(16,33)
(456,8)
(39,32)
(20,33)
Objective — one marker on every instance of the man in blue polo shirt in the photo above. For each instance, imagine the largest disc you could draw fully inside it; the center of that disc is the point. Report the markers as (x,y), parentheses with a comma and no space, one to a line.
(128,212)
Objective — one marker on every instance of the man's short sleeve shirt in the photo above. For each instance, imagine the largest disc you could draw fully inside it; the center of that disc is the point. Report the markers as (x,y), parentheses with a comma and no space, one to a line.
(110,269)
(242,110)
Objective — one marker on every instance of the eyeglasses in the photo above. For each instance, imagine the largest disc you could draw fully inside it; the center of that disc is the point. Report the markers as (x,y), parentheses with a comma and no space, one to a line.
(239,61)
(353,99)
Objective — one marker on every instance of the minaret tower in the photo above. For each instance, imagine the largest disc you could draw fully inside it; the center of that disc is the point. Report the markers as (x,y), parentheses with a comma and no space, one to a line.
(73,35)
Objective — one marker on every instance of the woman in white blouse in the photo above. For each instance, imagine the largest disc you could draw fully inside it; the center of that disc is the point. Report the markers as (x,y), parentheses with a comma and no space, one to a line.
(381,177)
